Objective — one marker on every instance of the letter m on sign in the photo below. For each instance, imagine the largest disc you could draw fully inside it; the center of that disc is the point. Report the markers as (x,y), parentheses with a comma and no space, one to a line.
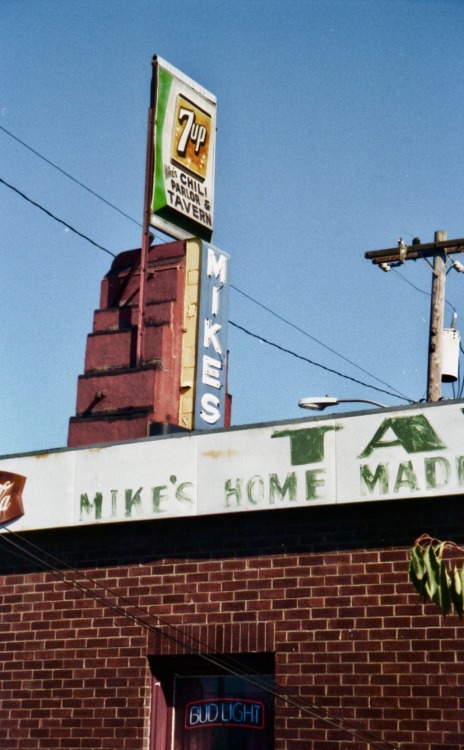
(89,507)
(217,267)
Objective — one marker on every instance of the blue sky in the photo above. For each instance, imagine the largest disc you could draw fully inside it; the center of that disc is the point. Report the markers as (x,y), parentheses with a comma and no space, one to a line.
(339,131)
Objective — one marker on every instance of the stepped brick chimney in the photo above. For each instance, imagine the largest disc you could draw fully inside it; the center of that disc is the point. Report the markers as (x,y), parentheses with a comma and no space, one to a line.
(117,398)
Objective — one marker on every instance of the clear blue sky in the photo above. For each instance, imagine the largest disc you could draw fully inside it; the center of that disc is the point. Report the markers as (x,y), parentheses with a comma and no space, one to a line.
(339,131)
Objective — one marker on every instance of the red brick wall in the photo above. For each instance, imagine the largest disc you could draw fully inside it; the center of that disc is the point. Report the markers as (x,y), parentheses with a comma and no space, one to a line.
(326,589)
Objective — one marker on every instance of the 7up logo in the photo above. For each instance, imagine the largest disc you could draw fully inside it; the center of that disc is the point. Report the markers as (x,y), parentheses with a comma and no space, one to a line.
(191,137)
(193,131)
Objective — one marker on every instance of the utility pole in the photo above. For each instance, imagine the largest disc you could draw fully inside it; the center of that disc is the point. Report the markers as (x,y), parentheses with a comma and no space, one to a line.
(438,251)
(437,311)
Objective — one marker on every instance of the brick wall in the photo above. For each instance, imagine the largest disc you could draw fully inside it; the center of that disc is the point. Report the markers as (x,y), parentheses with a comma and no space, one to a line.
(326,589)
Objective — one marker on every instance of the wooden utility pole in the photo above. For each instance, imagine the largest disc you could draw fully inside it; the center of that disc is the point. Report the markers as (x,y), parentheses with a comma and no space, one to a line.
(437,311)
(438,251)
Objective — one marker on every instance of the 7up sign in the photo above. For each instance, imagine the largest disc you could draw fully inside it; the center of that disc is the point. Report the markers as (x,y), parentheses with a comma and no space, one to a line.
(184,146)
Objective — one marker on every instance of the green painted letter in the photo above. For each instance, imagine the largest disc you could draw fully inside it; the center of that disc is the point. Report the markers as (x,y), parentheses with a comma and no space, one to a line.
(406,477)
(431,479)
(415,434)
(275,489)
(133,501)
(368,481)
(307,445)
(313,482)
(235,492)
(87,506)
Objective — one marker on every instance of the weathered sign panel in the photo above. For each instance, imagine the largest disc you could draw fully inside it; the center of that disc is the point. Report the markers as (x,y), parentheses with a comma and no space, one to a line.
(386,454)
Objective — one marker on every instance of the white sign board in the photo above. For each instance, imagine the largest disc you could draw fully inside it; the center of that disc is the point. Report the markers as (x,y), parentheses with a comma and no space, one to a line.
(379,455)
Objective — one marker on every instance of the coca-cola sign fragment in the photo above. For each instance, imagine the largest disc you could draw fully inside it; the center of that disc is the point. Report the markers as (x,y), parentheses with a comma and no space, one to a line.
(11,501)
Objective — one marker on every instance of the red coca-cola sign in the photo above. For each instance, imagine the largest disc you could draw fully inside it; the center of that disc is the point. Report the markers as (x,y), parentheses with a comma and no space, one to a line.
(11,500)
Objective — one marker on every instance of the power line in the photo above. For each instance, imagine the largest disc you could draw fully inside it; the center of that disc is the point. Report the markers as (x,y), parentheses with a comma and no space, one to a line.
(288,351)
(138,223)
(56,218)
(313,338)
(81,184)
(259,304)
(78,182)
(418,289)
(317,364)
(256,302)
(287,322)
(191,644)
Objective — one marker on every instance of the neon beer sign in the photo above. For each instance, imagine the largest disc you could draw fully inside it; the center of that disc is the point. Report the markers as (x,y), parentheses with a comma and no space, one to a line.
(226,712)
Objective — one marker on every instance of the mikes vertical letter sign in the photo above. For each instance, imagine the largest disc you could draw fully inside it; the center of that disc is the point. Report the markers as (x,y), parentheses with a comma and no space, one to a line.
(211,368)
(184,146)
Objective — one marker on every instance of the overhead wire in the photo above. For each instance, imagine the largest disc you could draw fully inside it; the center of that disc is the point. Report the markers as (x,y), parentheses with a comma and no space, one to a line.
(256,302)
(418,289)
(138,223)
(313,338)
(56,218)
(67,174)
(317,364)
(397,393)
(229,664)
(236,325)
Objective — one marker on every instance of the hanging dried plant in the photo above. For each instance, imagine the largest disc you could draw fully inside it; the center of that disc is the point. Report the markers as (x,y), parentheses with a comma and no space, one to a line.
(434,578)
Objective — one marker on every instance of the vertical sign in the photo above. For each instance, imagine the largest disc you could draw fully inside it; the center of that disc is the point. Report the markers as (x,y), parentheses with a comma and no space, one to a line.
(211,368)
(184,151)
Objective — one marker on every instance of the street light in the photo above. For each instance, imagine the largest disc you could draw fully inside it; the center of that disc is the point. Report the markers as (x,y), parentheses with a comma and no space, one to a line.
(319,403)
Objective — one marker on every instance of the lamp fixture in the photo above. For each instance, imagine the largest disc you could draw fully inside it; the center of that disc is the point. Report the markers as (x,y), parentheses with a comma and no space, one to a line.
(319,403)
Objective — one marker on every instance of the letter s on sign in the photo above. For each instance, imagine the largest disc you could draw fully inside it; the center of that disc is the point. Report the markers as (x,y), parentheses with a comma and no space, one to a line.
(210,408)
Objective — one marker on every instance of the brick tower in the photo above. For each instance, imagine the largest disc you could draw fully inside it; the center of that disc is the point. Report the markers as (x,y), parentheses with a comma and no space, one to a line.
(117,397)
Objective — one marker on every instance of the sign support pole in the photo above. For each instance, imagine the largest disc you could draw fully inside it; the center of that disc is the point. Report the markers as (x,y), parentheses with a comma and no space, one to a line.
(146,237)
